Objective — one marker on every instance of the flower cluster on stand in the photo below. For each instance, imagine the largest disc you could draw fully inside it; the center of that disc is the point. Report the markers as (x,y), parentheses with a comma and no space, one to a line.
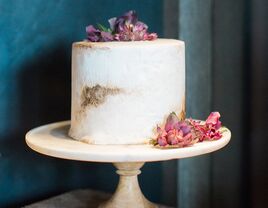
(185,133)
(124,28)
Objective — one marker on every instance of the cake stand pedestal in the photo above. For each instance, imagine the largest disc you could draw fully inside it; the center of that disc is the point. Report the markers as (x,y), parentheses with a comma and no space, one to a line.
(53,140)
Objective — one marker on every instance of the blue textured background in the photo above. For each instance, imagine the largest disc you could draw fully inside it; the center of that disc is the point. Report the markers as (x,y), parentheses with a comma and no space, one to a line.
(35,66)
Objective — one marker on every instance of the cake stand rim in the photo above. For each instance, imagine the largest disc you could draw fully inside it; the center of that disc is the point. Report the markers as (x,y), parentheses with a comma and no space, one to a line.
(41,140)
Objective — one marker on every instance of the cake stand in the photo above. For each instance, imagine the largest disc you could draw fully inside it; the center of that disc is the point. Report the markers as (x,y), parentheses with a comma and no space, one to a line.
(52,139)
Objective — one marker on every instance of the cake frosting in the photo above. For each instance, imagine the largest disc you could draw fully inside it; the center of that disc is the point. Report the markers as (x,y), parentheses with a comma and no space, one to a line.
(122,90)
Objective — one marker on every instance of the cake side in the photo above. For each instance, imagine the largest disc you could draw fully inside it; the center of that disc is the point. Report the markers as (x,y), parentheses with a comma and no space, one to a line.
(122,90)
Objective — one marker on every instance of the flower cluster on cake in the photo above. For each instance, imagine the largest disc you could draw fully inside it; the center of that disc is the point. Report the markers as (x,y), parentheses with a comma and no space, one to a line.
(123,28)
(184,133)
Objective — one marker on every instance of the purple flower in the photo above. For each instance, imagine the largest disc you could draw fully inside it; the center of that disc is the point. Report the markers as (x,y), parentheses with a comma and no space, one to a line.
(96,35)
(93,34)
(128,28)
(106,36)
(184,127)
(123,28)
(126,21)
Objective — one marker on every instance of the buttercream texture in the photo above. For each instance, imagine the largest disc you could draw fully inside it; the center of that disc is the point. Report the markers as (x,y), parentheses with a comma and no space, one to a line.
(122,90)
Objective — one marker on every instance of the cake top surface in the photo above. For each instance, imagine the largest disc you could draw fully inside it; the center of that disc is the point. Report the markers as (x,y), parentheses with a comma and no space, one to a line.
(159,41)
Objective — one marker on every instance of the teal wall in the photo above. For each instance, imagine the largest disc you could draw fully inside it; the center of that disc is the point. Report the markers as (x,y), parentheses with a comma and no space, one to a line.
(35,51)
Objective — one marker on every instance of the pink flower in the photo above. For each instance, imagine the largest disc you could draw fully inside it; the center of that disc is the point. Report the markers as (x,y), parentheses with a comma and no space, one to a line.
(178,137)
(172,121)
(186,133)
(150,36)
(173,137)
(213,120)
(161,139)
(175,133)
(208,130)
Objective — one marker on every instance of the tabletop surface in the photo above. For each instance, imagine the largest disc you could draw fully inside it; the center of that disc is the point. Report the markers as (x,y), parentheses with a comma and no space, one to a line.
(53,140)
(82,198)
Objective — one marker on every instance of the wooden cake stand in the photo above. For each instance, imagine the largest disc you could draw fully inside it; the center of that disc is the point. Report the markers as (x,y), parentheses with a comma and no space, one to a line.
(53,140)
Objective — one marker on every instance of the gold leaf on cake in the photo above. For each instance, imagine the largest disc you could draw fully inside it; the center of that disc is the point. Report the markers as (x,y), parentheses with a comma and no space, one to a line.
(96,95)
(182,114)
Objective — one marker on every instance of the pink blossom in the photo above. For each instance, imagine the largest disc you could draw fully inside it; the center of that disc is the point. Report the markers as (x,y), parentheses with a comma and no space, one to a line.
(186,133)
(172,121)
(208,130)
(161,139)
(213,120)
(150,36)
(177,137)
(175,133)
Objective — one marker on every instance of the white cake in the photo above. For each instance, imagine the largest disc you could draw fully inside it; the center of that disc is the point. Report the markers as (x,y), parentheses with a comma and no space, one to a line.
(121,91)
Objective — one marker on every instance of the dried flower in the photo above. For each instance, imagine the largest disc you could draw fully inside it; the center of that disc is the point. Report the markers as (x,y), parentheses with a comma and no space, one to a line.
(93,34)
(123,28)
(151,36)
(172,121)
(161,139)
(208,130)
(175,133)
(213,120)
(186,133)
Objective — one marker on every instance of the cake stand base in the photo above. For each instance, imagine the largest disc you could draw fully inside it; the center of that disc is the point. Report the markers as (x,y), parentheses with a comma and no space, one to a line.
(128,192)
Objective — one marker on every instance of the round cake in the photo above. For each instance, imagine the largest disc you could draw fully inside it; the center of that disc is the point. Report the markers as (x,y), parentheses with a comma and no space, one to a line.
(122,90)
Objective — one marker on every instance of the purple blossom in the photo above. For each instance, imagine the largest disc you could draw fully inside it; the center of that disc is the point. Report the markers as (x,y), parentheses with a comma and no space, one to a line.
(123,28)
(124,22)
(128,28)
(96,35)
(106,36)
(93,34)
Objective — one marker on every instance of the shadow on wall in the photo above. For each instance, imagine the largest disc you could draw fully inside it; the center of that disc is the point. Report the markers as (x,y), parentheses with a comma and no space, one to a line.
(35,67)
(43,90)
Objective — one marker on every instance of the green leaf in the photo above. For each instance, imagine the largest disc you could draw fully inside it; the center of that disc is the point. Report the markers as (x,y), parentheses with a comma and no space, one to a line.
(102,28)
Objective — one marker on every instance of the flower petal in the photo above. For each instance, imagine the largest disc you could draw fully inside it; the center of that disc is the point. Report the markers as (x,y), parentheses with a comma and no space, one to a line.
(112,23)
(106,36)
(93,34)
(151,36)
(171,122)
(162,141)
(213,118)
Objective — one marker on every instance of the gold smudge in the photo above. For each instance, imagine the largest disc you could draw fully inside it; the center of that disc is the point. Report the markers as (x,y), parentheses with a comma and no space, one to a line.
(182,114)
(96,95)
(90,45)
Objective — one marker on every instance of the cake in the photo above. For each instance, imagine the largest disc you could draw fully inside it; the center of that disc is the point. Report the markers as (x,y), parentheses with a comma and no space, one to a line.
(121,90)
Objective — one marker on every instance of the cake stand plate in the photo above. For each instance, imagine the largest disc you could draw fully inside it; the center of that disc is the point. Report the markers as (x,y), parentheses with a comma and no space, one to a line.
(53,140)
